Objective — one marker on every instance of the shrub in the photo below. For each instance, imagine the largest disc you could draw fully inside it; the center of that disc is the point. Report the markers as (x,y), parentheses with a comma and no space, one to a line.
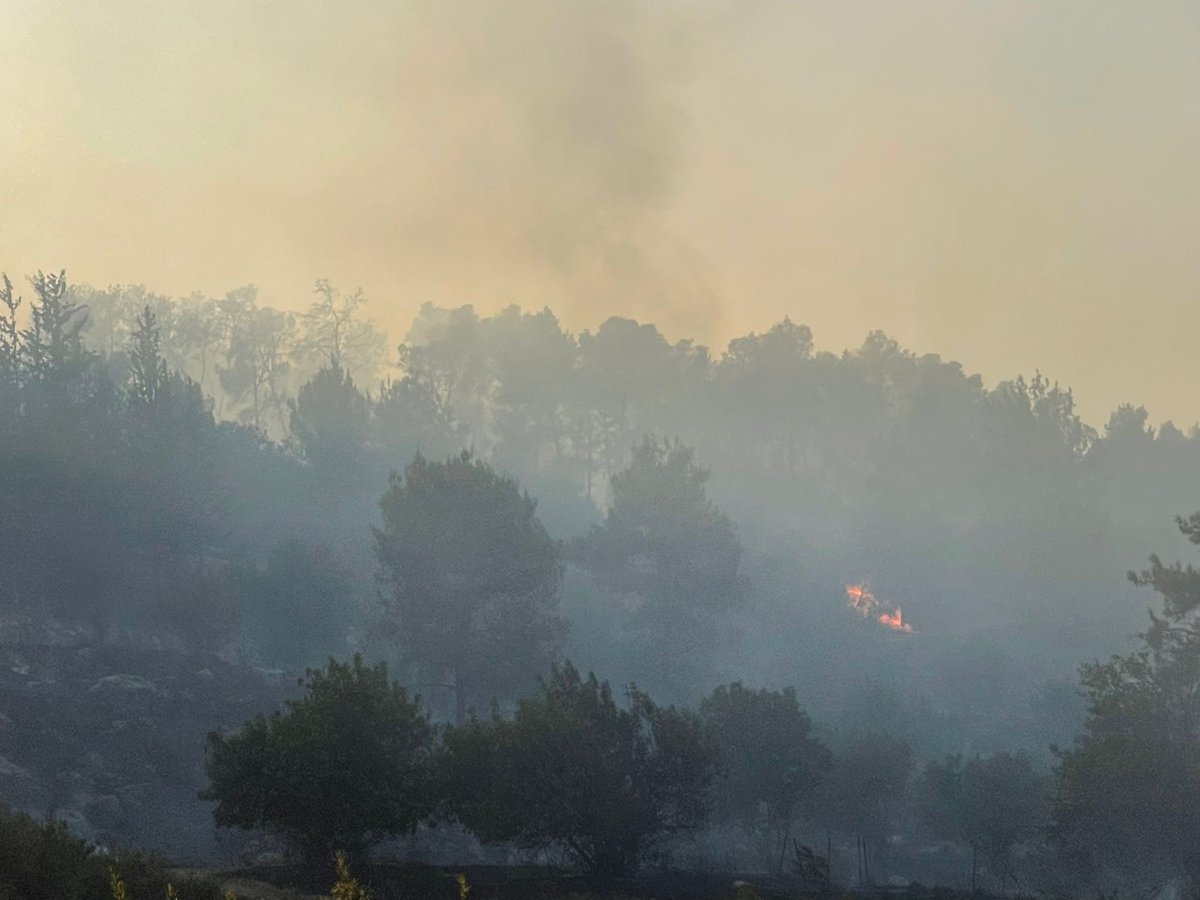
(43,861)
(342,767)
(574,769)
(347,886)
(771,764)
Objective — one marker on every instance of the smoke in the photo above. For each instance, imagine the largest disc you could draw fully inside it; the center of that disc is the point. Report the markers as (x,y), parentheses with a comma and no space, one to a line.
(453,151)
(987,180)
(566,141)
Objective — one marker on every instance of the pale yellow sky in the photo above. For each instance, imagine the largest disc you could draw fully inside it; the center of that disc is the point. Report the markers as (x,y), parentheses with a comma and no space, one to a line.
(1011,184)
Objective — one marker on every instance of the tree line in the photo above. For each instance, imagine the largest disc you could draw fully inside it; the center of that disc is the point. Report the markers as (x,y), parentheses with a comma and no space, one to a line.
(216,475)
(606,783)
(574,772)
(276,433)
(802,439)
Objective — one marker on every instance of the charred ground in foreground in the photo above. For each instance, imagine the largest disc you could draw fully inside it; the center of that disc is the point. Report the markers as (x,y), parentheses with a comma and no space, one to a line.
(391,882)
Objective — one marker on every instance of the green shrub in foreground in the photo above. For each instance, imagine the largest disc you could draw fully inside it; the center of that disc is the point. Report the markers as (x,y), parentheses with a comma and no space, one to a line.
(340,768)
(43,861)
(575,769)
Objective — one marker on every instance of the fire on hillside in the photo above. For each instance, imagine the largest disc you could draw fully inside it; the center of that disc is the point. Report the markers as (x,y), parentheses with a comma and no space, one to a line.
(860,599)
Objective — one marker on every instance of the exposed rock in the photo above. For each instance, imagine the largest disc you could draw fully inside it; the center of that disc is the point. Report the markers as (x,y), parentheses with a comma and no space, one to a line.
(124,683)
(112,741)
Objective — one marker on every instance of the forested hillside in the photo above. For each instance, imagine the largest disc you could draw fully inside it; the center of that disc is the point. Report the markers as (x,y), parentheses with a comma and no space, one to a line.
(203,477)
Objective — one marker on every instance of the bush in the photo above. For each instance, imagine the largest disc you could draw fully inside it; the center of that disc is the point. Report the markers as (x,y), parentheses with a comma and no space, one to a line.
(43,861)
(339,769)
(771,764)
(575,770)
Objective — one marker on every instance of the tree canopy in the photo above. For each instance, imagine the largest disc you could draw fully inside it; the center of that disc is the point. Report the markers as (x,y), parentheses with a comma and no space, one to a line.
(771,763)
(471,577)
(1128,799)
(990,803)
(669,555)
(338,769)
(573,768)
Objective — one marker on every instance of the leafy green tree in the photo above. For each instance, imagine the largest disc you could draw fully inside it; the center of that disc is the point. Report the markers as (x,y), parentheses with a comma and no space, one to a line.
(55,354)
(62,522)
(340,768)
(771,763)
(471,577)
(69,403)
(669,555)
(625,372)
(1036,421)
(407,419)
(1128,791)
(869,791)
(166,457)
(444,355)
(532,359)
(330,421)
(763,389)
(10,351)
(147,369)
(991,804)
(576,770)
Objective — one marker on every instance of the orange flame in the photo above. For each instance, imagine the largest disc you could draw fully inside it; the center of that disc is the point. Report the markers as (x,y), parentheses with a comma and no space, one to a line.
(860,599)
(896,622)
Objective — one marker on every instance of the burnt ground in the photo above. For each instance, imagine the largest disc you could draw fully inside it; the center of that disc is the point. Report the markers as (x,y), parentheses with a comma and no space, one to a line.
(417,882)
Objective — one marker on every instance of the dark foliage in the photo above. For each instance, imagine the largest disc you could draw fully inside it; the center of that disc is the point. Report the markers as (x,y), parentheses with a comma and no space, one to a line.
(42,861)
(471,577)
(340,768)
(869,790)
(199,476)
(771,763)
(1128,799)
(574,769)
(992,804)
(670,556)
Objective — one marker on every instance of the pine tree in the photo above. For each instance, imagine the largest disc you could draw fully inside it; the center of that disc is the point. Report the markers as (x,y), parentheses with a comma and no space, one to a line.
(147,369)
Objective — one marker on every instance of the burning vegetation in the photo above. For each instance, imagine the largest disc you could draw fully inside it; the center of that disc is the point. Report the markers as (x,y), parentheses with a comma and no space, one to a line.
(860,599)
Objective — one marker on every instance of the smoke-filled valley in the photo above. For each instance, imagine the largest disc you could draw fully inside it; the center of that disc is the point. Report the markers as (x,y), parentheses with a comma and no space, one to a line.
(759,462)
(205,496)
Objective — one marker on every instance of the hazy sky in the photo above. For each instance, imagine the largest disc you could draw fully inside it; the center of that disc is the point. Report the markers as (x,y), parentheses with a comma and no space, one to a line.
(1012,184)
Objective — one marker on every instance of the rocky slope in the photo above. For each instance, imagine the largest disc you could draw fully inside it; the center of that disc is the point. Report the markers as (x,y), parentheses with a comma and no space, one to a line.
(111,738)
